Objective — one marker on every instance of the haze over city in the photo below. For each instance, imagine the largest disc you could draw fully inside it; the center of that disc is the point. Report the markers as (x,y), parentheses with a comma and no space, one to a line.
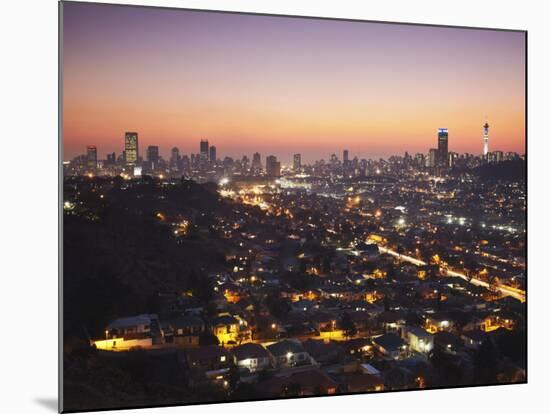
(281,85)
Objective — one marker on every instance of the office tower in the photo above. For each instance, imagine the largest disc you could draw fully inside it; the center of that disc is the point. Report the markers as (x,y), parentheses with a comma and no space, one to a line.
(272,166)
(185,164)
(91,158)
(228,165)
(453,156)
(277,169)
(245,163)
(419,160)
(212,154)
(443,147)
(175,159)
(346,158)
(256,162)
(432,158)
(111,159)
(297,162)
(204,151)
(511,156)
(131,148)
(485,139)
(153,155)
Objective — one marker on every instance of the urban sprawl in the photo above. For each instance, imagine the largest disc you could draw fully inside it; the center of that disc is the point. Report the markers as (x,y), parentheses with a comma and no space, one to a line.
(337,276)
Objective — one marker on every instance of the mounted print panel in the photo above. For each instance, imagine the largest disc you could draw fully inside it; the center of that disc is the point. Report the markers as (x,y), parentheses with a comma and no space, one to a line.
(260,207)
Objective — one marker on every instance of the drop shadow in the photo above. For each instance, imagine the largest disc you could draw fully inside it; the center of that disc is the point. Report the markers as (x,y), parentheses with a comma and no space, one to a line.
(49,403)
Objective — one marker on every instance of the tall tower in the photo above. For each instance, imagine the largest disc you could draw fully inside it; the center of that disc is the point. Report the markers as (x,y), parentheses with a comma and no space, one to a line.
(212,154)
(345,157)
(485,139)
(256,163)
(175,159)
(91,158)
(297,162)
(131,148)
(204,150)
(153,154)
(272,166)
(443,147)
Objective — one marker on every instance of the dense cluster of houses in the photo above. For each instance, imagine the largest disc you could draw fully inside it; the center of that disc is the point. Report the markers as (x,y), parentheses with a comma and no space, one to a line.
(330,339)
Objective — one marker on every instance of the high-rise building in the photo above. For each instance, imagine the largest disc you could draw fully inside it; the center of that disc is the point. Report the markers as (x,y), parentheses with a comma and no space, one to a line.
(185,163)
(245,163)
(432,158)
(111,159)
(495,156)
(443,147)
(272,166)
(453,157)
(153,155)
(345,157)
(91,158)
(175,159)
(212,154)
(256,163)
(204,150)
(485,139)
(297,162)
(131,148)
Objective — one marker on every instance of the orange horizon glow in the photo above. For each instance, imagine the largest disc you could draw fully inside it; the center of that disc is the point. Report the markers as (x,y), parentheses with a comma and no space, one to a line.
(280,85)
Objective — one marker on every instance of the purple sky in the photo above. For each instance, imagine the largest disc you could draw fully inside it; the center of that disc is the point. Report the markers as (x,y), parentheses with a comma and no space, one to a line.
(283,85)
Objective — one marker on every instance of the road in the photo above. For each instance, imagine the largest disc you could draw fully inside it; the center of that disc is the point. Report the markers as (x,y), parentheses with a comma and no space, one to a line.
(506,290)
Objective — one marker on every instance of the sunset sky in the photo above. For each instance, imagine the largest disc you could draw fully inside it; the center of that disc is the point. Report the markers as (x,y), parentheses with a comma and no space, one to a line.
(281,85)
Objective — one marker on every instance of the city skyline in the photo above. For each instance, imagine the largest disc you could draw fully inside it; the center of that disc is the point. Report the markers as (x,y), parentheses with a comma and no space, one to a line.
(298,86)
(209,153)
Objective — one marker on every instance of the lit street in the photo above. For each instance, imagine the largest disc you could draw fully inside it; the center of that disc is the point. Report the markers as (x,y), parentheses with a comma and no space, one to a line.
(506,290)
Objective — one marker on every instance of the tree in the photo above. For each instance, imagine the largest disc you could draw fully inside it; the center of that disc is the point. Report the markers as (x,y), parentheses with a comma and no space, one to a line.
(233,377)
(447,369)
(486,363)
(346,323)
(386,302)
(207,338)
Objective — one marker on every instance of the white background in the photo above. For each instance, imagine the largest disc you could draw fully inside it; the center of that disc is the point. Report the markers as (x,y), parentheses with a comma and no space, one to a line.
(28,202)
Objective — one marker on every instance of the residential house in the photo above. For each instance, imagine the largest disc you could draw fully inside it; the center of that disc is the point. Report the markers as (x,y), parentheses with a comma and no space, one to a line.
(289,353)
(419,340)
(184,330)
(251,356)
(390,345)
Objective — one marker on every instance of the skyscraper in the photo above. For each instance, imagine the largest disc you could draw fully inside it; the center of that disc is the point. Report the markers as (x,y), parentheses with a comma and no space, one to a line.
(91,158)
(204,151)
(443,147)
(256,163)
(297,162)
(346,158)
(131,148)
(111,159)
(175,159)
(432,158)
(272,166)
(453,156)
(153,155)
(212,154)
(485,139)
